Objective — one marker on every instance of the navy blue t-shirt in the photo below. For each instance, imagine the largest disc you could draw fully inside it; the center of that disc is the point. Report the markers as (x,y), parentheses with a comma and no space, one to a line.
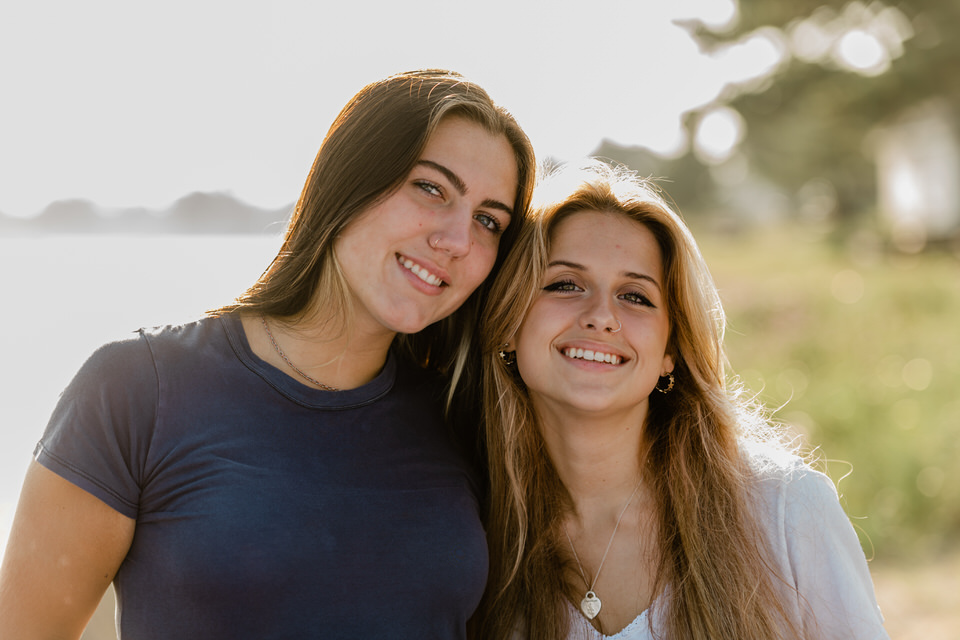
(266,508)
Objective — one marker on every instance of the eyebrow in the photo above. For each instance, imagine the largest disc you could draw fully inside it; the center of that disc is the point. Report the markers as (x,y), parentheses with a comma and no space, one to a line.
(632,275)
(461,186)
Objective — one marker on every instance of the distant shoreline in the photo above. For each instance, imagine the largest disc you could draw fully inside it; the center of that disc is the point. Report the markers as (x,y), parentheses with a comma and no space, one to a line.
(197,213)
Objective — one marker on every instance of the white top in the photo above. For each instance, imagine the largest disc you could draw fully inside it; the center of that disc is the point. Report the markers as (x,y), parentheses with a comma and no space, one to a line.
(815,549)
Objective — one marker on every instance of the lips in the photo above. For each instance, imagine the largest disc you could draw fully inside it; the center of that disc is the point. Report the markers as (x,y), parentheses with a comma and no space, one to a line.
(421,272)
(591,355)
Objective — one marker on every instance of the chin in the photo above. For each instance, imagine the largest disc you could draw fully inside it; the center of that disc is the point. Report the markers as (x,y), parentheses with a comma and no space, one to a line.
(408,324)
(600,406)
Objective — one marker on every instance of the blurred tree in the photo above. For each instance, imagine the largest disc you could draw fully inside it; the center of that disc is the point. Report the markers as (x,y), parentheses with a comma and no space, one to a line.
(847,68)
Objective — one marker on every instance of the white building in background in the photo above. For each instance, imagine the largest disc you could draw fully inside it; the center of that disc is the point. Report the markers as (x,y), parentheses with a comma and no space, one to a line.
(918,175)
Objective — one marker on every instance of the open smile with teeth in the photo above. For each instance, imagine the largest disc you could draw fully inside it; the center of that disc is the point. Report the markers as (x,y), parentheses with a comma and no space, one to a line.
(593,356)
(419,271)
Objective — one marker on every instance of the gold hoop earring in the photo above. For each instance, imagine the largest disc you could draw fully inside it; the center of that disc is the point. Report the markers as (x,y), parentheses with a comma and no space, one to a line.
(670,381)
(509,357)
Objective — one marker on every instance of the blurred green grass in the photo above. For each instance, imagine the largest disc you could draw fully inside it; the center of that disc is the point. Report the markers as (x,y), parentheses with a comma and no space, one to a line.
(858,348)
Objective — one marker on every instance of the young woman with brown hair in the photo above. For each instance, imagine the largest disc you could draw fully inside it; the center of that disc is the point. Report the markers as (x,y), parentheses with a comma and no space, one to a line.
(281,467)
(634,493)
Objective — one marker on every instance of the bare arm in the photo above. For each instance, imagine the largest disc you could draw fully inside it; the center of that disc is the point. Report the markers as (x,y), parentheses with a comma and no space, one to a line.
(65,548)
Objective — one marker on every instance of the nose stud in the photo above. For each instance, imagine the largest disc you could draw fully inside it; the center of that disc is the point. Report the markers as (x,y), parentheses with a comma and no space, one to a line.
(433,242)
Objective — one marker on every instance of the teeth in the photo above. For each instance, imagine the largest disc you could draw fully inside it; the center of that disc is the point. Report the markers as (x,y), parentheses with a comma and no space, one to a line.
(420,272)
(592,356)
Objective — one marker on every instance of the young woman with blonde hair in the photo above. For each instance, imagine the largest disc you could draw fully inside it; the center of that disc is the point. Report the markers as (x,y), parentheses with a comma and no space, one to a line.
(634,493)
(281,468)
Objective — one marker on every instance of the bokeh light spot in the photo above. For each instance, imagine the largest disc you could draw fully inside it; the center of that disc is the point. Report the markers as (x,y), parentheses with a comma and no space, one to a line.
(862,52)
(917,374)
(847,286)
(930,481)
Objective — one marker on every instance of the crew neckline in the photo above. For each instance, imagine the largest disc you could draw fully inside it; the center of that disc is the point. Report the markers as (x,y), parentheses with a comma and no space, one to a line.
(297,391)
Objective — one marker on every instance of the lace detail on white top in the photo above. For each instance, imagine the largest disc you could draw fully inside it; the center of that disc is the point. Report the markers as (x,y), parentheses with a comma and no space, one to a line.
(580,628)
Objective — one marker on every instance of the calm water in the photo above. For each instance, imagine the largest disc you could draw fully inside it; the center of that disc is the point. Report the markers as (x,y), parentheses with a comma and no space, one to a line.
(63,296)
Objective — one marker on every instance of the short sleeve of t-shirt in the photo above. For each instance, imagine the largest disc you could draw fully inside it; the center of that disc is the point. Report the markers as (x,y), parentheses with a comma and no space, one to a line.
(103,418)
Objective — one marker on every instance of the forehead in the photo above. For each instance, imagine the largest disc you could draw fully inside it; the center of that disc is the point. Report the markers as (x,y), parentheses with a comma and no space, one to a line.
(457,135)
(483,161)
(606,237)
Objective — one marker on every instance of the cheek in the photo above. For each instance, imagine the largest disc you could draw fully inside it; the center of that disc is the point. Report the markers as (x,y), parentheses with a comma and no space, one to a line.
(526,356)
(535,332)
(481,261)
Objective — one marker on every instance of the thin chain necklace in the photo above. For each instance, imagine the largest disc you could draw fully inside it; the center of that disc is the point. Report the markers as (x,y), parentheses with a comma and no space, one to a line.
(590,605)
(326,387)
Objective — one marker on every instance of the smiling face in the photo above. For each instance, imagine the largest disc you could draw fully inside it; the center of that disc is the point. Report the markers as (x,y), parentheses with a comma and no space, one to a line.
(604,271)
(413,258)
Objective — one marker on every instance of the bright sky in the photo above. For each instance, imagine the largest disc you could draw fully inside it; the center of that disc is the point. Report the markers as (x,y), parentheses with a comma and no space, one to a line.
(129,103)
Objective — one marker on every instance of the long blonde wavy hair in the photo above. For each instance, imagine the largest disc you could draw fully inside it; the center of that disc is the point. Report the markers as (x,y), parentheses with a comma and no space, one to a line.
(719,578)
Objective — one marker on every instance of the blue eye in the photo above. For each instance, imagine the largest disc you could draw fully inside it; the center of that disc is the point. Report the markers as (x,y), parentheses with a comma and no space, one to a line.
(429,187)
(489,222)
(564,286)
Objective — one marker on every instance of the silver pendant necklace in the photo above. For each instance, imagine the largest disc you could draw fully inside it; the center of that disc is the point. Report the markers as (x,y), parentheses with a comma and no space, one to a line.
(590,605)
(280,352)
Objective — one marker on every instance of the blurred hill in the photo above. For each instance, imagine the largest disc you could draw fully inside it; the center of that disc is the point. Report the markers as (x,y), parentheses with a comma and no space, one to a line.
(197,213)
(855,128)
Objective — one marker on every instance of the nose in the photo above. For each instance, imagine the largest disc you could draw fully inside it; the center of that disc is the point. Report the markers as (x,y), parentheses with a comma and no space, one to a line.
(453,234)
(599,316)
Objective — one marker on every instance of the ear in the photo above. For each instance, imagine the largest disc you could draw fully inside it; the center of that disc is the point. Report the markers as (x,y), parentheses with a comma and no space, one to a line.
(667,365)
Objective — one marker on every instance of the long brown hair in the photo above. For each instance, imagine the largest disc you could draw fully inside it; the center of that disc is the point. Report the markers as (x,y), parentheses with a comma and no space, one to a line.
(371,147)
(718,579)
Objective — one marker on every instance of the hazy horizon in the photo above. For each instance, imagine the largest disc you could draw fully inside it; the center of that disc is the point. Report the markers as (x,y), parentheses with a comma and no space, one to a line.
(131,105)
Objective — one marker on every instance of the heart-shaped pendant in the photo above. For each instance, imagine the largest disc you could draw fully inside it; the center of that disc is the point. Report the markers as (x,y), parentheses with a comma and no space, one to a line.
(590,605)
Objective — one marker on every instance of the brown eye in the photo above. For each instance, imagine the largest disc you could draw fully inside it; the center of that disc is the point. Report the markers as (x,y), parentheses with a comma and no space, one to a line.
(564,286)
(637,298)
